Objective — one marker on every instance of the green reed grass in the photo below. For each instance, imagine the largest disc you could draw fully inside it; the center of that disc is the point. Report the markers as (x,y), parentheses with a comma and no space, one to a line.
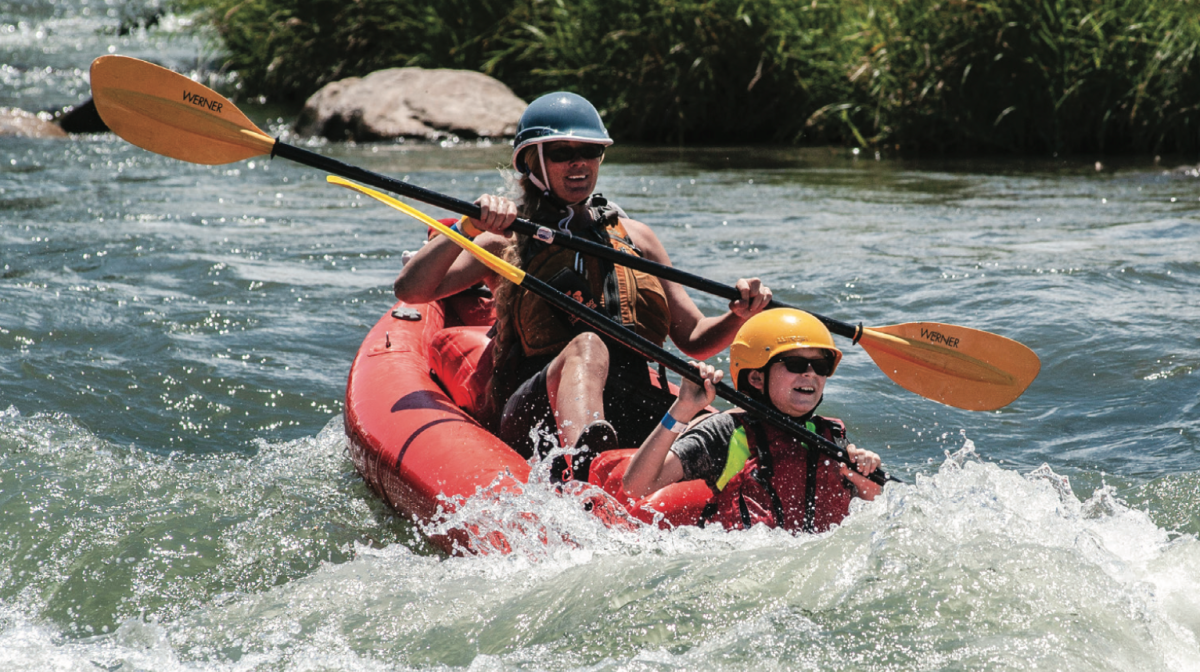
(1026,76)
(1055,75)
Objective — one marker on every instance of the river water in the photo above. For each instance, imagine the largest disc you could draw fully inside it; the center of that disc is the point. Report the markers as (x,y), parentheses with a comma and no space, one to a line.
(175,492)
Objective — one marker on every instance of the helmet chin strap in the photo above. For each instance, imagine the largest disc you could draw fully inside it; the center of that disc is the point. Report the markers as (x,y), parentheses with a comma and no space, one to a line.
(566,222)
(544,186)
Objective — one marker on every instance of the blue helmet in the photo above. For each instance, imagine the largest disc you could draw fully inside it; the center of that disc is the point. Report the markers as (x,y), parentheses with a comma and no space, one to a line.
(557,116)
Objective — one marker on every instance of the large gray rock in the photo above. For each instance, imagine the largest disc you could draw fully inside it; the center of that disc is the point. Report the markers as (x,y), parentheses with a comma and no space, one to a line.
(414,103)
(16,122)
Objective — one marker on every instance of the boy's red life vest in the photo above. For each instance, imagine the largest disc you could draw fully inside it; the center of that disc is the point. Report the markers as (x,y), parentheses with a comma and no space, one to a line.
(787,485)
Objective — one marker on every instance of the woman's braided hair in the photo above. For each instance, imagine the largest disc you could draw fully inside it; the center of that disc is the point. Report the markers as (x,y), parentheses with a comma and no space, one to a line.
(534,205)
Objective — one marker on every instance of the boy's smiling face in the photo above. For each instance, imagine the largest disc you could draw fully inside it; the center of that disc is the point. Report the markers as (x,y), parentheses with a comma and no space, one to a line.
(795,394)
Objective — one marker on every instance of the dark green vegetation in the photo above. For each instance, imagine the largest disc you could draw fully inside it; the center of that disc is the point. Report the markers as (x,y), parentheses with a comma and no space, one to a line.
(1027,76)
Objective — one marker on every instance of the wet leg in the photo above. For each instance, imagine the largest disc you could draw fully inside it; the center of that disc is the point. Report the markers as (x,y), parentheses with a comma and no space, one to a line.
(575,385)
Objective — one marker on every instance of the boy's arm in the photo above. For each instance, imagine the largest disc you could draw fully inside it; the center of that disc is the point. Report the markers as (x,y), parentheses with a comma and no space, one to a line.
(654,466)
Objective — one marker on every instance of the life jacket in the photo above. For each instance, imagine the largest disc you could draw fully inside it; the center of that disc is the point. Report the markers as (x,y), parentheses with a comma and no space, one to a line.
(786,485)
(632,298)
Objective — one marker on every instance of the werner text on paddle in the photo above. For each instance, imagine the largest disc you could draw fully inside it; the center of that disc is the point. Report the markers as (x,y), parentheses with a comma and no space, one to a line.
(201,101)
(938,337)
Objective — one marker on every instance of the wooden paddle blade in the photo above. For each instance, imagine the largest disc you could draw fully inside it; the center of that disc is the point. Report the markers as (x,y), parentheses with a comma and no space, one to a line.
(958,366)
(169,114)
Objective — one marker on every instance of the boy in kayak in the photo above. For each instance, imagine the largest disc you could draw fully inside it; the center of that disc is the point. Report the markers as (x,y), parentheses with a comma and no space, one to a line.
(551,372)
(757,472)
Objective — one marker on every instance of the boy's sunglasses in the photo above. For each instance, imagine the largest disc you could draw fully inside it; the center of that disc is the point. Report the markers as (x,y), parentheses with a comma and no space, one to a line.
(565,153)
(822,367)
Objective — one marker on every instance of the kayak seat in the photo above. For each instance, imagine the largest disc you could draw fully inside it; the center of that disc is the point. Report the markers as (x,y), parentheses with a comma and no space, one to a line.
(461,358)
(680,503)
(607,470)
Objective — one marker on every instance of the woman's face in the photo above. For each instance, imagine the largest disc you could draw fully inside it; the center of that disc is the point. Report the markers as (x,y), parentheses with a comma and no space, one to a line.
(574,178)
(794,393)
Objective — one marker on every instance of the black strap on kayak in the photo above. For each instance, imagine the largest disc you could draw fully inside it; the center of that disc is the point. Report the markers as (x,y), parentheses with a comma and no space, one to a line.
(706,514)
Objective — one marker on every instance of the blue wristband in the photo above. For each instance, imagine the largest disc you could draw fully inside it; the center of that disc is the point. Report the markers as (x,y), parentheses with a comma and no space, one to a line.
(669,423)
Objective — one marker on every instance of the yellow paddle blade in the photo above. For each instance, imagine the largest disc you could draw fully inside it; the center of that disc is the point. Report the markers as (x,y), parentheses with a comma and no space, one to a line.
(169,114)
(505,269)
(957,366)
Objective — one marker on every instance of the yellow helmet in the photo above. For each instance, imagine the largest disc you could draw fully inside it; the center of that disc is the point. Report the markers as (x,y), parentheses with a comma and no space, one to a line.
(774,332)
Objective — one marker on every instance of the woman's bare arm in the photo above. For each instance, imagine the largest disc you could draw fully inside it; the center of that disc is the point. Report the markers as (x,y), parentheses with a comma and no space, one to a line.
(696,335)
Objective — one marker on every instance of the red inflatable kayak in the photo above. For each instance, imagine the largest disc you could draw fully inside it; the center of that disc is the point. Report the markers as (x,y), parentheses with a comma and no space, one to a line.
(412,397)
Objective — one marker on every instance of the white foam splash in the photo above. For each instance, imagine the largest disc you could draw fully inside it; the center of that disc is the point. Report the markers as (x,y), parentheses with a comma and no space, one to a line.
(971,566)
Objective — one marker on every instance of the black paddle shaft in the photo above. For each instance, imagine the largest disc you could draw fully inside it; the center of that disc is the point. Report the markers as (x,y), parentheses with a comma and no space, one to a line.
(541,232)
(596,320)
(651,351)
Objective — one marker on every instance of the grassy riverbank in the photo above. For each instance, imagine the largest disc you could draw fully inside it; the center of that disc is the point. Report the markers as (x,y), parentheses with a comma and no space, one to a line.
(1023,76)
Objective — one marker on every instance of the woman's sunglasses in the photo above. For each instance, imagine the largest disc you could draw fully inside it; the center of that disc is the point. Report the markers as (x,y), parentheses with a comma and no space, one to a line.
(822,367)
(565,153)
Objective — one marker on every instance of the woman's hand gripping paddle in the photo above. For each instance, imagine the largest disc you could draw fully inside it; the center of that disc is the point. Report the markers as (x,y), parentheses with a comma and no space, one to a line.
(169,114)
(615,331)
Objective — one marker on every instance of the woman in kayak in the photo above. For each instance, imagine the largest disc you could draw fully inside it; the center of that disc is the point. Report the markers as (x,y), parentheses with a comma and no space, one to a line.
(551,372)
(757,472)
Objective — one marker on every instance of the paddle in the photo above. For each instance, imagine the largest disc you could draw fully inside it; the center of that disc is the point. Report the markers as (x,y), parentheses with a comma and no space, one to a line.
(169,114)
(606,326)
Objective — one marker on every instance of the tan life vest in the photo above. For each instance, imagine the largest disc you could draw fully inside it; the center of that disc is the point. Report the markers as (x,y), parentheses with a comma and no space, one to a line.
(632,298)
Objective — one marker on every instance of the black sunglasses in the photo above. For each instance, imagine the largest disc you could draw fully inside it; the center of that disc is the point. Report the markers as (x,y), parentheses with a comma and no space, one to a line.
(822,367)
(565,153)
